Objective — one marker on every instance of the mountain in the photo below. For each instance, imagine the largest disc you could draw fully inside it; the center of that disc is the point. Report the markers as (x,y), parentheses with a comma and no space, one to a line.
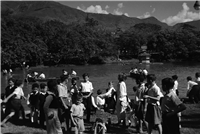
(192,24)
(47,10)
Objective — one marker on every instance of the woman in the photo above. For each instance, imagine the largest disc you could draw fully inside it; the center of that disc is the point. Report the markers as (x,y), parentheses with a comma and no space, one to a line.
(51,109)
(122,102)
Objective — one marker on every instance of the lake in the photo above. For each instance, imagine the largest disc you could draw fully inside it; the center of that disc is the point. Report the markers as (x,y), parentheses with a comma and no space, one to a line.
(100,75)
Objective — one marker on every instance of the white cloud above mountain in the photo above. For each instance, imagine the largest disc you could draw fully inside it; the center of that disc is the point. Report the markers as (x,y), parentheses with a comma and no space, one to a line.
(98,9)
(94,9)
(147,14)
(185,15)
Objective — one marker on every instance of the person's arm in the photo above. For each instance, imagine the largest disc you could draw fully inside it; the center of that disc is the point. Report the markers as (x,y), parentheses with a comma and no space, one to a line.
(179,108)
(6,99)
(188,85)
(48,101)
(71,114)
(63,103)
(72,118)
(93,102)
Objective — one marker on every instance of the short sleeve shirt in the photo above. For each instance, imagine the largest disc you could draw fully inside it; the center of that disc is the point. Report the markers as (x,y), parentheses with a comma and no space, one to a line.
(86,86)
(170,102)
(154,91)
(19,92)
(122,91)
(62,90)
(77,110)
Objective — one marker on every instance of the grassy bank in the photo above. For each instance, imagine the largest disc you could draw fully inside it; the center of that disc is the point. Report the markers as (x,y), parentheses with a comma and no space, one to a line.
(190,124)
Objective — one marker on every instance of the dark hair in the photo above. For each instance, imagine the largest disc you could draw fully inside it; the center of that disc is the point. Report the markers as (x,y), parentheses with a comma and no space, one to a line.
(18,83)
(43,85)
(99,92)
(189,78)
(63,77)
(85,74)
(168,83)
(52,86)
(11,79)
(175,77)
(35,85)
(73,79)
(122,77)
(197,74)
(141,78)
(151,77)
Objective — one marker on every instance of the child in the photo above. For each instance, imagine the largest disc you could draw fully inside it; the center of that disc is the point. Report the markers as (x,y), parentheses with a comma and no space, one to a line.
(34,103)
(42,97)
(152,107)
(110,98)
(99,126)
(171,106)
(190,84)
(77,112)
(74,89)
(140,102)
(175,78)
(86,89)
(122,102)
(16,105)
(100,100)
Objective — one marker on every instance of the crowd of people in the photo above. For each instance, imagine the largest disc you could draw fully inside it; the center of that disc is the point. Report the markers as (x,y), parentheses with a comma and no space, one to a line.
(55,103)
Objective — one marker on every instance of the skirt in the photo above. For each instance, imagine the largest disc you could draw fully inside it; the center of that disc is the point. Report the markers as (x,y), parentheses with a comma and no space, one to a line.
(153,114)
(170,124)
(53,123)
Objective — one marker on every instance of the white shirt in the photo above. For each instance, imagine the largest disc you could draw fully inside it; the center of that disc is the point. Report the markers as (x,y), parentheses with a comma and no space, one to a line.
(190,84)
(42,76)
(109,93)
(175,85)
(86,86)
(19,93)
(73,72)
(145,72)
(100,101)
(62,90)
(121,91)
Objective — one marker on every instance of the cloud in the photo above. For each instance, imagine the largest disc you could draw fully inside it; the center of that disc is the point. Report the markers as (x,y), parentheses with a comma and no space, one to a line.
(185,15)
(94,9)
(120,5)
(154,9)
(118,11)
(106,7)
(98,9)
(145,15)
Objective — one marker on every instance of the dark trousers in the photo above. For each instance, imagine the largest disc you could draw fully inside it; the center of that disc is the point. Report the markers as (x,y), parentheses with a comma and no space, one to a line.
(88,104)
(42,117)
(64,115)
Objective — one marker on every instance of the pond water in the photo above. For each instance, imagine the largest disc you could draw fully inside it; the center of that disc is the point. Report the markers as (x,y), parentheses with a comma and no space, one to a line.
(100,75)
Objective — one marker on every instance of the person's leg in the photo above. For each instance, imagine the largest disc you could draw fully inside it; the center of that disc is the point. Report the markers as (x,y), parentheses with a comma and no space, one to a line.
(7,118)
(150,128)
(88,108)
(159,128)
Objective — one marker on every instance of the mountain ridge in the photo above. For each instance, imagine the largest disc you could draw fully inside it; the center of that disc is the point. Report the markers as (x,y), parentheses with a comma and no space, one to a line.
(54,10)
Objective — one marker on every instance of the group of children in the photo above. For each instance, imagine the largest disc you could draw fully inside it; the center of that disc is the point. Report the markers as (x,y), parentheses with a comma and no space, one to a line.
(150,106)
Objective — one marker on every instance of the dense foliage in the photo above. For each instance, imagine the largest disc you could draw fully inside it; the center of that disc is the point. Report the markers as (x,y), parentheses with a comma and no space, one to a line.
(53,42)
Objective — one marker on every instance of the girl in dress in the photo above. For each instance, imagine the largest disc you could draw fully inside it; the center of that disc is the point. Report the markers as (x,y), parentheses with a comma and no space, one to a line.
(122,102)
(51,109)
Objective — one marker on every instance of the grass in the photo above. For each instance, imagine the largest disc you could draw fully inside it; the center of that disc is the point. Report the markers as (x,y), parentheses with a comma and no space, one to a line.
(190,124)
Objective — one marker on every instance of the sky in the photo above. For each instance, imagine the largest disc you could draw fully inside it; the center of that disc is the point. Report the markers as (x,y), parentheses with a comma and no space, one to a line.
(170,12)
